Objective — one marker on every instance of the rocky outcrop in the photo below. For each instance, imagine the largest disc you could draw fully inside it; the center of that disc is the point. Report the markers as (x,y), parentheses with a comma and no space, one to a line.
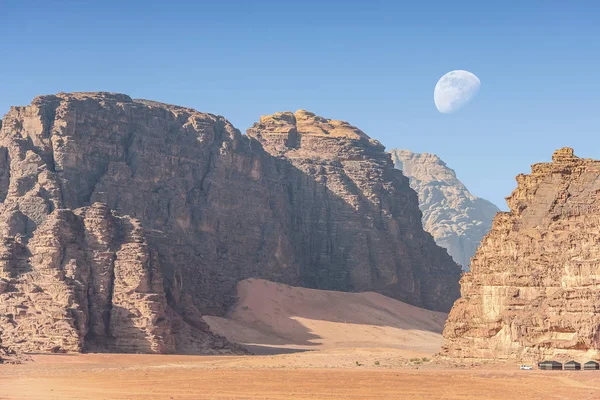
(124,221)
(86,279)
(9,356)
(354,216)
(456,219)
(534,286)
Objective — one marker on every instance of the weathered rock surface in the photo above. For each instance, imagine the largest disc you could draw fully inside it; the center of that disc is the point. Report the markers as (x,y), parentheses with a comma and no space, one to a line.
(534,286)
(353,214)
(86,279)
(123,221)
(456,219)
(7,356)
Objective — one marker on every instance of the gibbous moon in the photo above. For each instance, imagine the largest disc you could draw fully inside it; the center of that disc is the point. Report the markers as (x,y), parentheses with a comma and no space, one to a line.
(454,90)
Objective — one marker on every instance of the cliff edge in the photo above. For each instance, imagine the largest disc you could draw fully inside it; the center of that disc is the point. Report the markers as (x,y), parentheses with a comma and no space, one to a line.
(534,287)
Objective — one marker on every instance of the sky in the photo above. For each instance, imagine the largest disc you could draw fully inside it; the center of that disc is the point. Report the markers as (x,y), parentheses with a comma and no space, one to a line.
(372,63)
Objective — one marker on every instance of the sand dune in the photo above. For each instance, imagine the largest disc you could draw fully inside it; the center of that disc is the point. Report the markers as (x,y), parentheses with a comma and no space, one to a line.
(274,318)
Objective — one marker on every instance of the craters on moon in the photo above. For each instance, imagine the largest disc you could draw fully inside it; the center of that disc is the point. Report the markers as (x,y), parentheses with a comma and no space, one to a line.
(454,90)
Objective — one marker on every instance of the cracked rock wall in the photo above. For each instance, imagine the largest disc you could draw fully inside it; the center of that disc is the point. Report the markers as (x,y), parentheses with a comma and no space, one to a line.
(534,287)
(123,221)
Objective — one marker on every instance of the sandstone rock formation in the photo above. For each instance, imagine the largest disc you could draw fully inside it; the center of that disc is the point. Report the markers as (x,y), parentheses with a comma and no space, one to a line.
(534,286)
(85,279)
(456,219)
(353,214)
(6,355)
(123,221)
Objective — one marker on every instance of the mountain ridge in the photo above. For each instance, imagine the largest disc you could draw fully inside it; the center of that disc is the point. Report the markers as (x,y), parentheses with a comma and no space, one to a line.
(457,219)
(164,209)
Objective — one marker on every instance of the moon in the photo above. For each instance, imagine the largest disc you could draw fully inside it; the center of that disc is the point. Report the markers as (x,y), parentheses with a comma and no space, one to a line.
(454,90)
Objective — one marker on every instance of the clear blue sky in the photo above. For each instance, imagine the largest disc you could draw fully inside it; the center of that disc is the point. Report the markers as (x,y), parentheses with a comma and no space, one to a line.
(372,63)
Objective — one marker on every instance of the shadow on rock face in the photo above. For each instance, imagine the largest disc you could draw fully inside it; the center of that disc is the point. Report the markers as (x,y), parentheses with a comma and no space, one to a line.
(160,190)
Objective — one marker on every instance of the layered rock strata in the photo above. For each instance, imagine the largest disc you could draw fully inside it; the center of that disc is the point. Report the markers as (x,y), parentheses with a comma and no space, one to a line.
(123,221)
(86,279)
(354,215)
(534,287)
(456,219)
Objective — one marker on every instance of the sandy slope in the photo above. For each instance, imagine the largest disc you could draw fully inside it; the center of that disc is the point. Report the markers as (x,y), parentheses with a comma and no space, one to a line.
(274,318)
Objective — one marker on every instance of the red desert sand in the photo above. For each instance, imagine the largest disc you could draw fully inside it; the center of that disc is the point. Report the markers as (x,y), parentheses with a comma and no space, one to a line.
(316,345)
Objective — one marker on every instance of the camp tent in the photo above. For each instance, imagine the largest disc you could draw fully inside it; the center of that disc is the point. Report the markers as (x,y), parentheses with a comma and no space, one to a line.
(591,365)
(572,366)
(550,365)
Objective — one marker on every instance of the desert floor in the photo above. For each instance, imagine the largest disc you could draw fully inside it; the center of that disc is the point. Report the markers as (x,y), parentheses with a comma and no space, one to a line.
(309,375)
(314,345)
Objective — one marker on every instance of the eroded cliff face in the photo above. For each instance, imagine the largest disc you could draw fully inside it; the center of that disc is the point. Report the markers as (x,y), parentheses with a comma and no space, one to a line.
(123,221)
(353,213)
(7,356)
(456,219)
(534,286)
(86,279)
